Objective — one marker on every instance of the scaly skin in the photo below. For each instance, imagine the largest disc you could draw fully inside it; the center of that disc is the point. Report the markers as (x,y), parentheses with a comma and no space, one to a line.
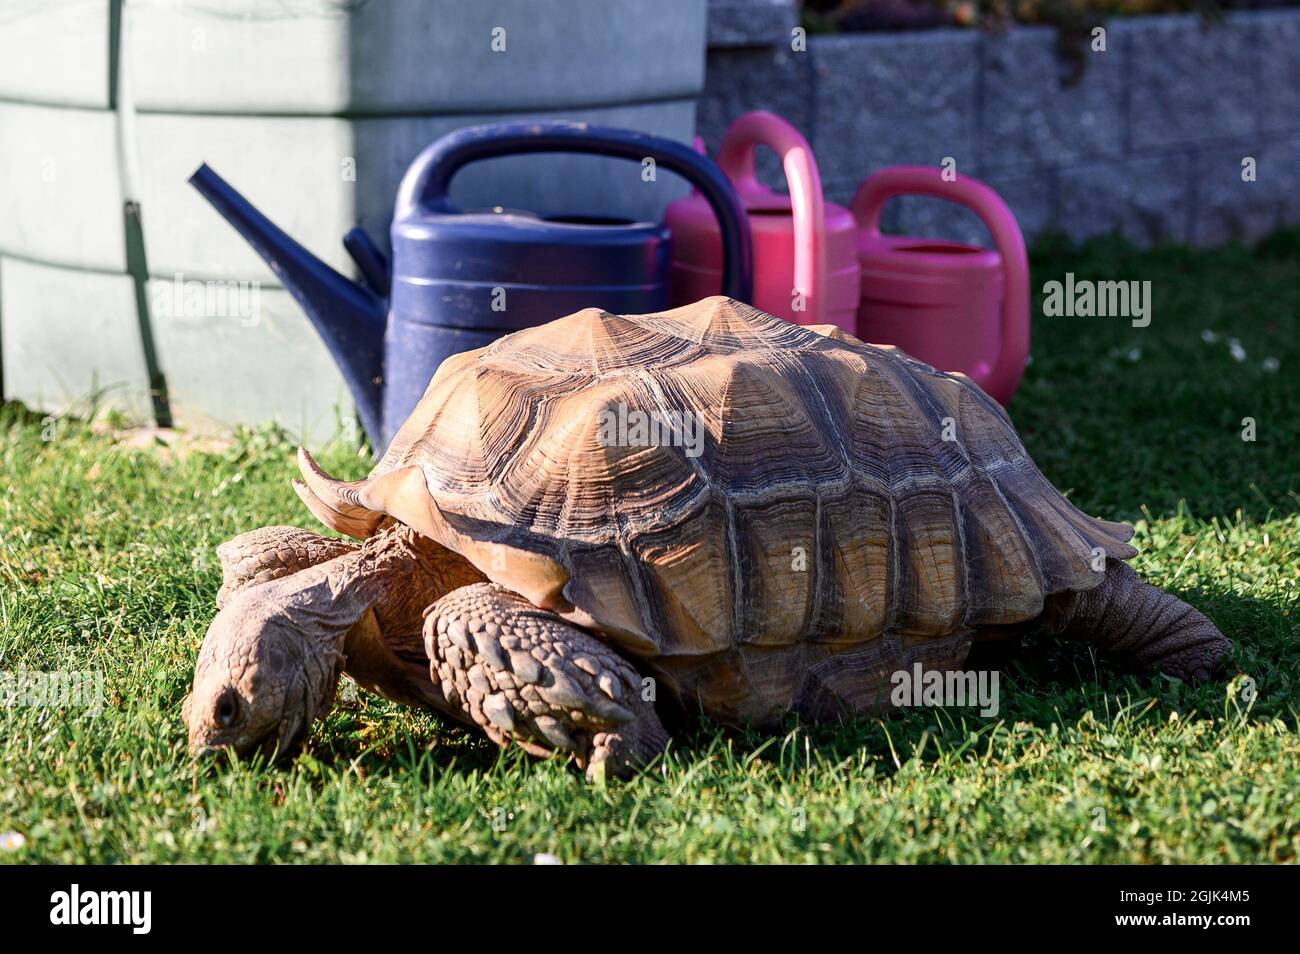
(1140,626)
(273,654)
(270,553)
(522,674)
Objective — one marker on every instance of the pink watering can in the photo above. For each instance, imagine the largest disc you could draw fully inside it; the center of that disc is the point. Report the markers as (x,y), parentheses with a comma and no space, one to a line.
(957,307)
(805,255)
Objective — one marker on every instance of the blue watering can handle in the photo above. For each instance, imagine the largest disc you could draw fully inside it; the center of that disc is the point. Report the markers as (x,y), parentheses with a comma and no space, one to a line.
(425,185)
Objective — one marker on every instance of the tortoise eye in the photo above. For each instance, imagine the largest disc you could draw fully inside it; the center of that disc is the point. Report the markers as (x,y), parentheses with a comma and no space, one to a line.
(226,709)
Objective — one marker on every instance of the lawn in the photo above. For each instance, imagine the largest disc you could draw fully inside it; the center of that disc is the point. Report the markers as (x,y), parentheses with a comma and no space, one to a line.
(107,564)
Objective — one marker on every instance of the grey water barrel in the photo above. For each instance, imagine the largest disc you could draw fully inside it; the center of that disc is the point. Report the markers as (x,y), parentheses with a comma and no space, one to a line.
(313,109)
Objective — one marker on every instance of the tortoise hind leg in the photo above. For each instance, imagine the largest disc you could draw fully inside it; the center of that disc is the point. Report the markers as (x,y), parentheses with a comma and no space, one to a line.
(1140,625)
(524,675)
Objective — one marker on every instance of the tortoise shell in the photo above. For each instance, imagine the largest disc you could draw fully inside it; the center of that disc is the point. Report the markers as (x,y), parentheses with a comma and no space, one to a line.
(807,503)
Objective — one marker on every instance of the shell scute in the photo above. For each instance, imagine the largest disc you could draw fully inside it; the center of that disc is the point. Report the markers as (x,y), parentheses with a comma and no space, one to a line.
(688,587)
(855,582)
(926,599)
(777,569)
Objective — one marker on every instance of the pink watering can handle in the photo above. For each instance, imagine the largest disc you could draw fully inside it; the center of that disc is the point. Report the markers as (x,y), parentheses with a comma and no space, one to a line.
(988,205)
(736,157)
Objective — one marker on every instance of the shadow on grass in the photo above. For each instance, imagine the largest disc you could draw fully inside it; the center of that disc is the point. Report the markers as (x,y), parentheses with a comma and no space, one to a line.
(400,743)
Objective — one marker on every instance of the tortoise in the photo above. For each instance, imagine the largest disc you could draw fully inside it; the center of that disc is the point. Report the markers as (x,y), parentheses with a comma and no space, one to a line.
(810,516)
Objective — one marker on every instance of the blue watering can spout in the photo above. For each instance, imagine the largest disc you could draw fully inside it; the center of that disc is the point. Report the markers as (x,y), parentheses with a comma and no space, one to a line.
(349,317)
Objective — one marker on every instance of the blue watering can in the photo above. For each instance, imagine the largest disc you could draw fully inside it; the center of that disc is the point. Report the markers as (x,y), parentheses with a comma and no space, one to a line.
(460,280)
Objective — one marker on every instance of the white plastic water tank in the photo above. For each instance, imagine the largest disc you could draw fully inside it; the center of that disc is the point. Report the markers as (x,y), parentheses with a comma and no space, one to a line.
(313,109)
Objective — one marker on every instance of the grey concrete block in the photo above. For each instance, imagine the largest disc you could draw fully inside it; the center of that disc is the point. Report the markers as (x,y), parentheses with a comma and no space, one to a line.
(1190,81)
(71,339)
(1279,62)
(432,56)
(246,360)
(1028,115)
(60,191)
(55,51)
(902,98)
(317,177)
(1030,194)
(840,191)
(1284,159)
(742,80)
(1147,199)
(1229,208)
(751,22)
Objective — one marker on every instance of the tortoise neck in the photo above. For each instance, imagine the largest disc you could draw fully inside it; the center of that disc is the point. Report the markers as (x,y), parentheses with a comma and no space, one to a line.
(397,574)
(400,572)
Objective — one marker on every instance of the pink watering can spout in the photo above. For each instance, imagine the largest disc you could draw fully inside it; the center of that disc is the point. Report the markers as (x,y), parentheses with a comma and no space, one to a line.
(958,307)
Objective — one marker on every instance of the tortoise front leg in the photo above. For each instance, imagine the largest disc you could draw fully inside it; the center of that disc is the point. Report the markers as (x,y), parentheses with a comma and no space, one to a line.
(525,675)
(270,553)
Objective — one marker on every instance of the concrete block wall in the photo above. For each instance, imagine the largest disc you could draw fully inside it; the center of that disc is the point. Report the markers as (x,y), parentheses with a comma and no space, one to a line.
(1148,142)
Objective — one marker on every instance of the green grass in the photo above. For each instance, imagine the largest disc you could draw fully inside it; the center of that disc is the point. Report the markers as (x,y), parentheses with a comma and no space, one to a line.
(107,563)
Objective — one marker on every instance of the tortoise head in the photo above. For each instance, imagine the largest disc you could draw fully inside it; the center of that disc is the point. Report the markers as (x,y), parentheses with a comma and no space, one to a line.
(269,665)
